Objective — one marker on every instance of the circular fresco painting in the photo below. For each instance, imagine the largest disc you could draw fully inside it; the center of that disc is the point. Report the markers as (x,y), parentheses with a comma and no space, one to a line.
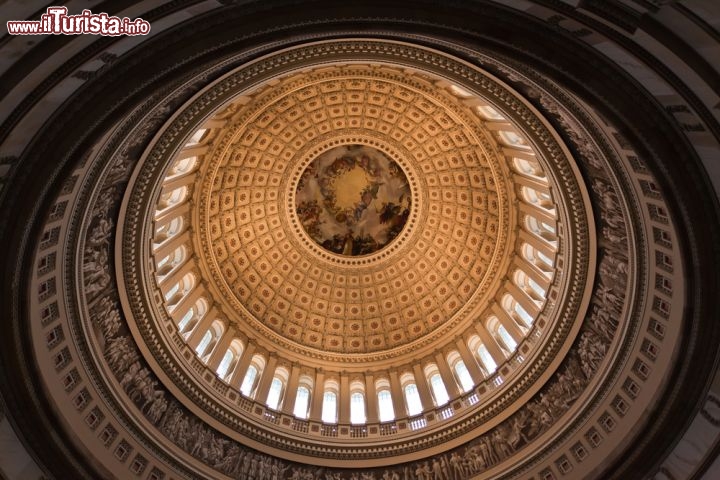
(353,200)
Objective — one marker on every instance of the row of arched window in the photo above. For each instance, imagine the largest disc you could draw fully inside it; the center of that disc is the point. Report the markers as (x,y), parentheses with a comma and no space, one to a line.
(330,392)
(433,385)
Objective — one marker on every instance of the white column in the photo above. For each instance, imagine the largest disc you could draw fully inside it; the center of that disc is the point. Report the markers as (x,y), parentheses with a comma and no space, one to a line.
(266,377)
(371,399)
(175,276)
(197,334)
(447,376)
(469,360)
(532,271)
(317,396)
(423,388)
(168,216)
(344,399)
(291,390)
(186,303)
(536,242)
(180,181)
(490,343)
(523,299)
(242,365)
(397,394)
(509,323)
(168,247)
(220,349)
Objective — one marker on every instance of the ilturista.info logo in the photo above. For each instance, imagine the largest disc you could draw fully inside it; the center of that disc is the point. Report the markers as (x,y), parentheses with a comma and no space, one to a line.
(56,21)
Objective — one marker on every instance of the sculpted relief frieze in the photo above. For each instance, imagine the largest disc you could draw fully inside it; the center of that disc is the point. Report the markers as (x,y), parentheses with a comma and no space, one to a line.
(219,441)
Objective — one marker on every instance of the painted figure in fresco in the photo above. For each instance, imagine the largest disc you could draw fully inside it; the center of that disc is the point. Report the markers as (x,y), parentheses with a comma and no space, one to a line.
(352,200)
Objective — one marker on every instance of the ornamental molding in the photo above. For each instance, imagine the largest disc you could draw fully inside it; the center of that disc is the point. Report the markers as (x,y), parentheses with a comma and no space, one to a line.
(590,335)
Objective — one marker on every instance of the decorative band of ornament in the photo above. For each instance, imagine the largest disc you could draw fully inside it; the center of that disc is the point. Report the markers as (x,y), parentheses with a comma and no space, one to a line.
(453,430)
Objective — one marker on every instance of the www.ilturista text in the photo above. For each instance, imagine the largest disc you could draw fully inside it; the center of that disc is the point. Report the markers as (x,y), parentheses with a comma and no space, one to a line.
(57,22)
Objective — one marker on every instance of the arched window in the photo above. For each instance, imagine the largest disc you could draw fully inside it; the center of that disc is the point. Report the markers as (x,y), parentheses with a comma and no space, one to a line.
(541,229)
(522,314)
(225,363)
(170,261)
(535,287)
(547,260)
(302,397)
(506,339)
(517,312)
(329,410)
(182,166)
(487,363)
(209,340)
(460,370)
(463,375)
(512,139)
(547,226)
(185,320)
(494,327)
(528,167)
(413,403)
(277,388)
(534,291)
(357,403)
(178,291)
(489,113)
(437,386)
(249,381)
(273,399)
(190,320)
(229,360)
(386,410)
(172,198)
(248,386)
(196,138)
(412,399)
(168,230)
(536,197)
(538,258)
(486,359)
(302,402)
(459,91)
(482,354)
(330,402)
(202,346)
